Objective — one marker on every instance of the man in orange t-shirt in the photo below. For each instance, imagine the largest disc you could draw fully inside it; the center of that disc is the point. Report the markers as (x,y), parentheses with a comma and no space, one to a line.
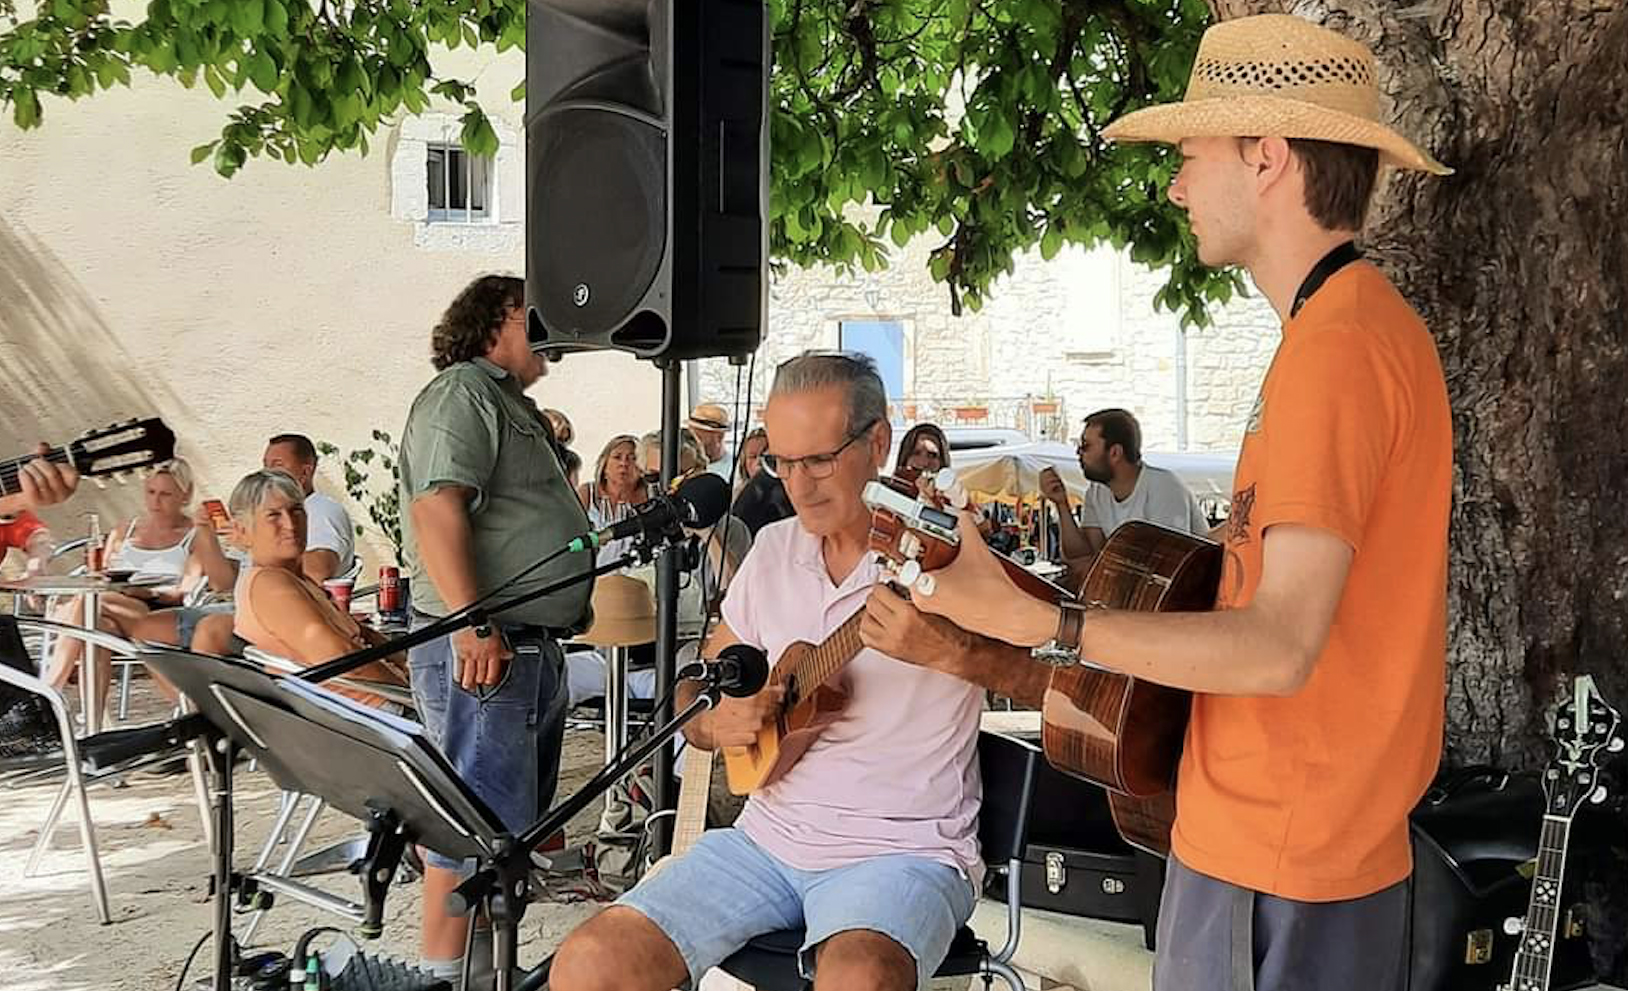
(1319,680)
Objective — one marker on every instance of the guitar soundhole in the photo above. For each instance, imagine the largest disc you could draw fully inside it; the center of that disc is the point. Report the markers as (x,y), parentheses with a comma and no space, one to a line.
(793,696)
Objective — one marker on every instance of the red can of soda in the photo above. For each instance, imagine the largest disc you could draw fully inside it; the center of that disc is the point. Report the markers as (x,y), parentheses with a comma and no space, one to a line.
(389,589)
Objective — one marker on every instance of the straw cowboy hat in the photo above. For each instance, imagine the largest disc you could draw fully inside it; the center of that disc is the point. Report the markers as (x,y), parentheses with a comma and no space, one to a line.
(624,613)
(1281,76)
(709,416)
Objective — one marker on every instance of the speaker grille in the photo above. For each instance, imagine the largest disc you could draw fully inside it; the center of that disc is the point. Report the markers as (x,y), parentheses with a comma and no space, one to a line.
(596,226)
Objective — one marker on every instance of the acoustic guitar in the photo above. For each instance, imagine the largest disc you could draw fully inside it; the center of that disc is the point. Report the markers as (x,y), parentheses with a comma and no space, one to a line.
(808,671)
(1106,727)
(111,450)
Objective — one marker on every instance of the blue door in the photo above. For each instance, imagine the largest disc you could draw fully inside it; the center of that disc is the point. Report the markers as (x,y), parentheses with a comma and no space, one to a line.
(883,340)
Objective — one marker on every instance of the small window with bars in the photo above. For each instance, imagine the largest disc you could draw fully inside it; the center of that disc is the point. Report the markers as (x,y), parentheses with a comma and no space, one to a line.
(460,185)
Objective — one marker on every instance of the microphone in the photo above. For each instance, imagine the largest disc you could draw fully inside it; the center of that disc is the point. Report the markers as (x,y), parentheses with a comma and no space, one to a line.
(741,670)
(698,502)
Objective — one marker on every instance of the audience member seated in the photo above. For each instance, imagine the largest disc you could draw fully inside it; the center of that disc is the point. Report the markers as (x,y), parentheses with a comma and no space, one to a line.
(723,544)
(571,462)
(330,550)
(161,543)
(330,543)
(616,491)
(279,608)
(923,451)
(27,533)
(750,459)
(761,501)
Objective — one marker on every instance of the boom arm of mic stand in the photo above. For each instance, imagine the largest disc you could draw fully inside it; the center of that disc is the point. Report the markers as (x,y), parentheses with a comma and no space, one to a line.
(611,773)
(440,628)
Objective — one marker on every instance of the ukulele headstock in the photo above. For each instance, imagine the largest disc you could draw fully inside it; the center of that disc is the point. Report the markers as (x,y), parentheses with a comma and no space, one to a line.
(906,528)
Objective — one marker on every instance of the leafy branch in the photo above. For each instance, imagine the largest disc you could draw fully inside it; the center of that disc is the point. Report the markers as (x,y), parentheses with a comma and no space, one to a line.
(977,122)
(382,498)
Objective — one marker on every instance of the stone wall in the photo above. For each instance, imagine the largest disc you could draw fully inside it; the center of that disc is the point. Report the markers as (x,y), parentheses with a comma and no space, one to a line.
(1081,329)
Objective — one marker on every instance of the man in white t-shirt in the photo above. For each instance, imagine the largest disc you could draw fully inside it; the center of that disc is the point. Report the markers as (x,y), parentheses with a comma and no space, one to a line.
(330,537)
(1110,453)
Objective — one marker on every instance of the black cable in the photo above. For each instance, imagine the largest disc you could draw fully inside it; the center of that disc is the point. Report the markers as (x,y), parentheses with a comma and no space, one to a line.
(181,981)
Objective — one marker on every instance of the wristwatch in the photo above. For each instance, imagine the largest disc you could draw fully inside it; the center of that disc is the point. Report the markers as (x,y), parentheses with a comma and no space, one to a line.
(1063,649)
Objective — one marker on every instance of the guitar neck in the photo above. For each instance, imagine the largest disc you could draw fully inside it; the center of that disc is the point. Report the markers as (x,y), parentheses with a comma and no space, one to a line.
(822,661)
(691,818)
(10,470)
(1536,952)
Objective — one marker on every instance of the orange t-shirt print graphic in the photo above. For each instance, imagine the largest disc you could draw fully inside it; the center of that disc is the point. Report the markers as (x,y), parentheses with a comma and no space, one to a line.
(1307,796)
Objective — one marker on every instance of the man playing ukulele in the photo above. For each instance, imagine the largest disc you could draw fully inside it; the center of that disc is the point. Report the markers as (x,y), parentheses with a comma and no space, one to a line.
(870,840)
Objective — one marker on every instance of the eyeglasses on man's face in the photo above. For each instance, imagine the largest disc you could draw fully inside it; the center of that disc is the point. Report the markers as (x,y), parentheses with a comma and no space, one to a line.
(813,465)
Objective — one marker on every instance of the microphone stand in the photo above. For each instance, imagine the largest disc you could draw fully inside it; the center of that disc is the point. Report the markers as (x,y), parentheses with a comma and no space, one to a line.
(501,883)
(441,627)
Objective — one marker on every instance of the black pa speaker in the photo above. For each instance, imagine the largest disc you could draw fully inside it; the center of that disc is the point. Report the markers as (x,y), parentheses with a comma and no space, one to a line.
(647,175)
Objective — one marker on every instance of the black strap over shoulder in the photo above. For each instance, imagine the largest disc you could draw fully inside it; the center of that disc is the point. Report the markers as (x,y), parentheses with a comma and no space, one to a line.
(1330,263)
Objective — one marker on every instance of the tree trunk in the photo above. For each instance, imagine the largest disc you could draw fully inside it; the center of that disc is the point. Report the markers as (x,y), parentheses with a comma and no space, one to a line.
(1519,265)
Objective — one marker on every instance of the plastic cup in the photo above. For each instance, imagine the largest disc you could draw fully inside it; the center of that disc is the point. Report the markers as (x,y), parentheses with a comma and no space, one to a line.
(339,590)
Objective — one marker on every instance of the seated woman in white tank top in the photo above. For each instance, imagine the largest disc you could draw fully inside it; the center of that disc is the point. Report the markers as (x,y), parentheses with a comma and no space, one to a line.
(157,542)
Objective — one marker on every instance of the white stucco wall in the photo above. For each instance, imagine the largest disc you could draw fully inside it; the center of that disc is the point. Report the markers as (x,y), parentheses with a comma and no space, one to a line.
(287,298)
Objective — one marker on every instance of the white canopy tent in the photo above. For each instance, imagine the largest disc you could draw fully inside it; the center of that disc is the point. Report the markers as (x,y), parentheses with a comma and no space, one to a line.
(1011,473)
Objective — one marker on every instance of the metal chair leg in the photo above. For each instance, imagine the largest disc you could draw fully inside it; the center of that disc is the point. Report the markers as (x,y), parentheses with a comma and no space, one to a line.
(1005,972)
(87,827)
(124,691)
(49,827)
(291,854)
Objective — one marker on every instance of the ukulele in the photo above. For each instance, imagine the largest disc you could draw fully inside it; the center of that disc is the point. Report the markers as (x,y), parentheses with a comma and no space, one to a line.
(111,450)
(1103,726)
(1585,729)
(808,671)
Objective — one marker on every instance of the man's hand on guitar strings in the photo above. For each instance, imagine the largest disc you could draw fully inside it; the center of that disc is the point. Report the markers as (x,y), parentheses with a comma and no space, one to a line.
(736,722)
(45,483)
(898,629)
(974,593)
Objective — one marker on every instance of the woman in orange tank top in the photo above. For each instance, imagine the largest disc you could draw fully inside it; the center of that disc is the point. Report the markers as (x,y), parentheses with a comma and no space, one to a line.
(279,609)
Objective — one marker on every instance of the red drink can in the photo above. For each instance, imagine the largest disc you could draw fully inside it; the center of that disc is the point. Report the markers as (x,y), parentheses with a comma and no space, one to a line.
(95,557)
(389,589)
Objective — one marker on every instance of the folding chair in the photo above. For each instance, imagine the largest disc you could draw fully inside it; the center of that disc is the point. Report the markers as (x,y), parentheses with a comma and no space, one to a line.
(87,760)
(281,878)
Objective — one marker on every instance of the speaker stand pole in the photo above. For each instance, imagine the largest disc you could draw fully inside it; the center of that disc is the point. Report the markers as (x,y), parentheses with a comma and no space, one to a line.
(666,608)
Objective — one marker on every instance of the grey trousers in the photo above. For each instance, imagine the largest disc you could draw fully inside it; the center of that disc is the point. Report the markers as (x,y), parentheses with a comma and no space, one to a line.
(1215,936)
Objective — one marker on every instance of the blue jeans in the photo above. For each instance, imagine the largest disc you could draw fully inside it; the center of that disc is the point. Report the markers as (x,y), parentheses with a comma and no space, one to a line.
(504,741)
(726,889)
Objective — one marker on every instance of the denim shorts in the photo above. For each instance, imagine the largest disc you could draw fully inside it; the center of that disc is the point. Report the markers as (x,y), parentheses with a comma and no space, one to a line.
(504,741)
(187,618)
(726,889)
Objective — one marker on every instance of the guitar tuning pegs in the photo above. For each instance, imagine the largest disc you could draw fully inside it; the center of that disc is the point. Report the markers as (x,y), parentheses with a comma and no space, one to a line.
(1514,925)
(909,572)
(1598,795)
(1616,745)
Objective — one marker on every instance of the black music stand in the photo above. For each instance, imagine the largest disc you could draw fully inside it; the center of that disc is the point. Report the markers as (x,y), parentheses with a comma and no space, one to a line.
(377,767)
(385,771)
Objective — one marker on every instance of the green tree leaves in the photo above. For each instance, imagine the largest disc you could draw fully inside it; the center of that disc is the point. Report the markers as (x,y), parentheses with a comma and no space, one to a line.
(974,123)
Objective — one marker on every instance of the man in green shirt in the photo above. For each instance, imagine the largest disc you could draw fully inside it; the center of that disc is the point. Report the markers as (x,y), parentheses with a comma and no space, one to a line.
(486,499)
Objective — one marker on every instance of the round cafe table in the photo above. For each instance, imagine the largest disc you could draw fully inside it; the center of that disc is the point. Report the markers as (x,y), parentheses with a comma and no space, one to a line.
(90,588)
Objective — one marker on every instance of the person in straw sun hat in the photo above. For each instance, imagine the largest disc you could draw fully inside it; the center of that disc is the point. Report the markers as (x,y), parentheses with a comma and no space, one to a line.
(1317,682)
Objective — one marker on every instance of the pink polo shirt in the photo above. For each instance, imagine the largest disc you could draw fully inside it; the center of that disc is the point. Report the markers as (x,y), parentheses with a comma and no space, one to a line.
(897,772)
